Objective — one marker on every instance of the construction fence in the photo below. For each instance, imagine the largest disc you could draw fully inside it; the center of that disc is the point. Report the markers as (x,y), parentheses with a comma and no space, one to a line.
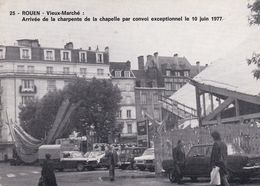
(246,136)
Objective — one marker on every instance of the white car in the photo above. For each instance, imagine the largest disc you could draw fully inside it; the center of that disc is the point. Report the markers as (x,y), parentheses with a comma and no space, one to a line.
(146,161)
(94,159)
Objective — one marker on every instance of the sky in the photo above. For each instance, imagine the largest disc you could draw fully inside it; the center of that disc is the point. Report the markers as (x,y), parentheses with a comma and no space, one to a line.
(198,41)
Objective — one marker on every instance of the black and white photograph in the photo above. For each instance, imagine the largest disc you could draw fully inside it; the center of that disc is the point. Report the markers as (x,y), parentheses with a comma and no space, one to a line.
(129,92)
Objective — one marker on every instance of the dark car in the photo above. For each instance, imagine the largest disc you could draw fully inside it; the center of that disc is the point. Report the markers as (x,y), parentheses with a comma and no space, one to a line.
(197,164)
(126,156)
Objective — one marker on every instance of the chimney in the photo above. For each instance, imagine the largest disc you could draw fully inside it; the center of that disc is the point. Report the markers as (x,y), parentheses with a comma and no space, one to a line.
(198,66)
(128,65)
(140,62)
(97,49)
(175,59)
(68,45)
(89,48)
(107,50)
(155,54)
(206,65)
(149,58)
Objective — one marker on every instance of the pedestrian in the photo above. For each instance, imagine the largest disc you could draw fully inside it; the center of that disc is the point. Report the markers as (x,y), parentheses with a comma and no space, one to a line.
(47,173)
(219,157)
(178,160)
(112,157)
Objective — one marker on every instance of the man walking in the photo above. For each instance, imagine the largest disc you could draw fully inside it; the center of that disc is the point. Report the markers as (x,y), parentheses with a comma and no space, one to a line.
(178,159)
(219,157)
(111,154)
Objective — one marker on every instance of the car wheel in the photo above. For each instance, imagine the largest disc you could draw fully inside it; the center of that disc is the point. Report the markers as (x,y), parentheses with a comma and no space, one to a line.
(80,167)
(172,176)
(194,179)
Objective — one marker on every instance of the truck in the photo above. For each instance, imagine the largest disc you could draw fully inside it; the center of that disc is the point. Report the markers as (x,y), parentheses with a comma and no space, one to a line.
(63,159)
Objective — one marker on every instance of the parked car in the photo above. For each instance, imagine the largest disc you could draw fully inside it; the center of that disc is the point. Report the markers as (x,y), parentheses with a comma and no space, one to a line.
(127,155)
(95,159)
(197,164)
(146,161)
(62,159)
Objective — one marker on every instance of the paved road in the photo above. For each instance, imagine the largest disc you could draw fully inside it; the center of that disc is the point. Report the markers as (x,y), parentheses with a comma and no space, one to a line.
(29,175)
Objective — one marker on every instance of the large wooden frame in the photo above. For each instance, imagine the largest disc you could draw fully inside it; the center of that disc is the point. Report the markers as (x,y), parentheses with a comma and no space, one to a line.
(228,97)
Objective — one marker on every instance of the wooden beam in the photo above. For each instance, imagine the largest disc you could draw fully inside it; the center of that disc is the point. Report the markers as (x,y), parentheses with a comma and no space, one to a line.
(211,102)
(198,106)
(232,119)
(204,104)
(226,92)
(237,107)
(221,107)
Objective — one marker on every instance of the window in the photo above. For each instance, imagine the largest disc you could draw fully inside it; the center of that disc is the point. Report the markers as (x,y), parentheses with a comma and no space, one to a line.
(49,55)
(51,85)
(128,113)
(117,73)
(168,73)
(100,72)
(27,99)
(82,57)
(186,73)
(28,84)
(155,97)
(30,69)
(66,70)
(65,55)
(49,70)
(177,74)
(120,114)
(2,53)
(20,68)
(25,53)
(129,128)
(83,71)
(127,74)
(143,98)
(128,87)
(178,86)
(168,86)
(157,113)
(128,99)
(99,58)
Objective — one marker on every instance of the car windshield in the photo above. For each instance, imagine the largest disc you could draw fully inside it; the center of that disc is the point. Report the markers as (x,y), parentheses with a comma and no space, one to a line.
(234,149)
(95,154)
(149,152)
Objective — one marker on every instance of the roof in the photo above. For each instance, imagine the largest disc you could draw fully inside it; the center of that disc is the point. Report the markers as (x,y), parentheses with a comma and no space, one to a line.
(179,63)
(140,74)
(119,66)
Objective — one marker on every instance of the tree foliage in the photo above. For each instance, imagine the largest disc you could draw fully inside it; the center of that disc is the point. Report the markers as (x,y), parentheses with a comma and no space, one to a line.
(254,19)
(100,102)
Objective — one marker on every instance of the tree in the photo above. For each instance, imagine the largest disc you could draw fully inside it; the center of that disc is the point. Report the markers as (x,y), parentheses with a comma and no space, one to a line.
(254,19)
(100,103)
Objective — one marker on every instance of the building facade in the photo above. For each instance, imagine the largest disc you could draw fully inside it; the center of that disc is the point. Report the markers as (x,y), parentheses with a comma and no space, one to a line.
(29,71)
(124,79)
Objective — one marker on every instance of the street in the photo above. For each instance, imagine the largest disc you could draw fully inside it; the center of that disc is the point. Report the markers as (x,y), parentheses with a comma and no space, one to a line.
(29,175)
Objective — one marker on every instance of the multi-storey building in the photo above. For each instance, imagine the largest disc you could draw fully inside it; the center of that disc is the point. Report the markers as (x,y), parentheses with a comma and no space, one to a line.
(29,71)
(123,77)
(174,71)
